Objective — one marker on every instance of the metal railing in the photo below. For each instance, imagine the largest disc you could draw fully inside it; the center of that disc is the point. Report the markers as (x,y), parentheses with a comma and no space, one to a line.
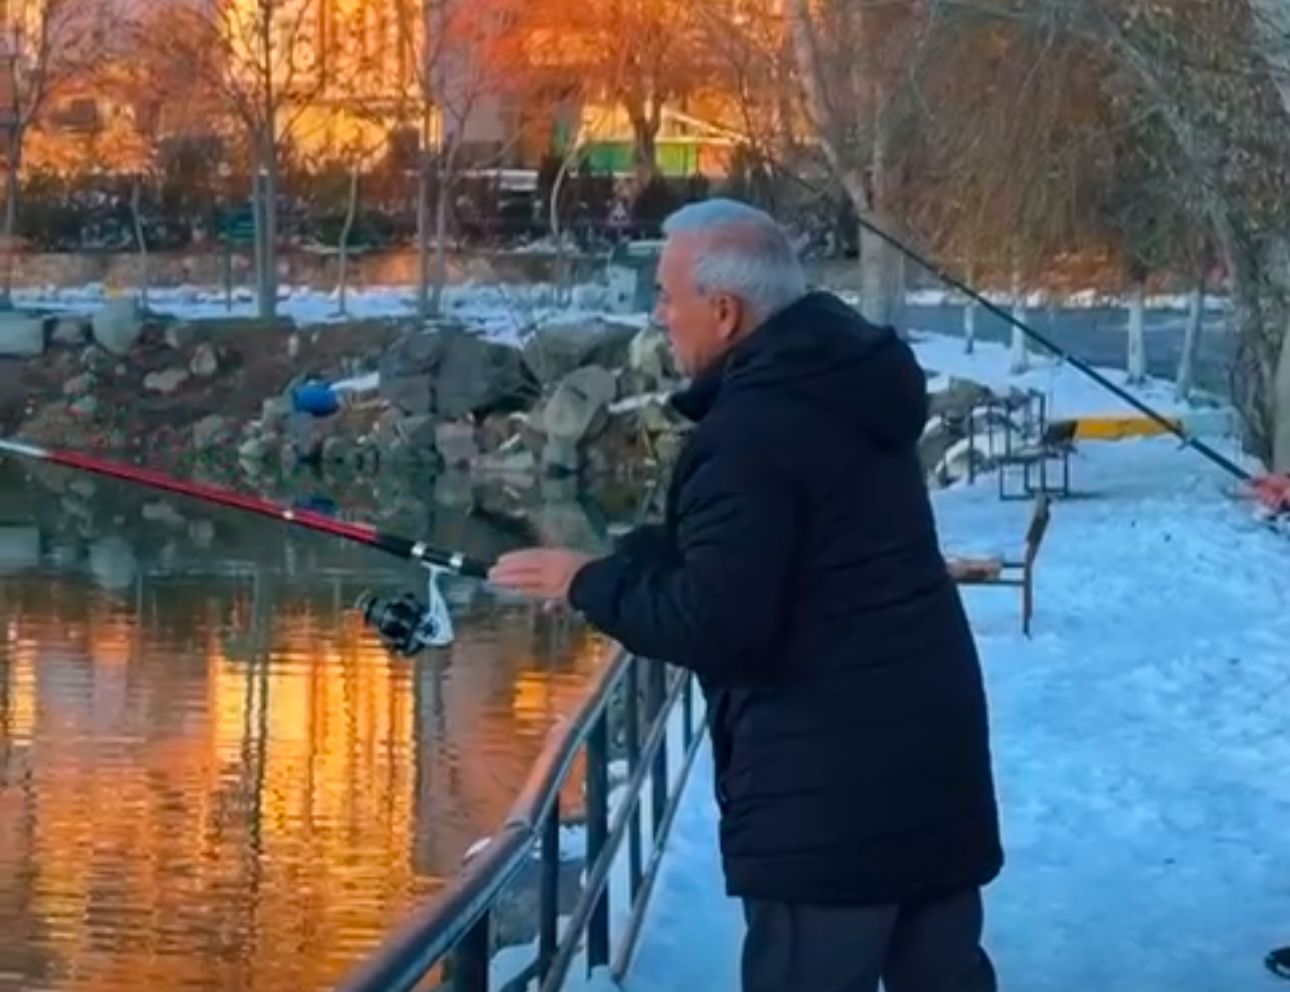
(456,931)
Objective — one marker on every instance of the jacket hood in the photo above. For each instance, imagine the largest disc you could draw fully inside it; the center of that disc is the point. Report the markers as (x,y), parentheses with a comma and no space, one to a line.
(821,350)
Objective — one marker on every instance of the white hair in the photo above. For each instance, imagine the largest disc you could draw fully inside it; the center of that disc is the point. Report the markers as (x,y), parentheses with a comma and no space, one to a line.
(741,251)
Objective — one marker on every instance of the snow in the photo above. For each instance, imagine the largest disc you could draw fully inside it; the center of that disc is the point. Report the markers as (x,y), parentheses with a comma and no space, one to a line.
(1069,392)
(499,312)
(1077,300)
(1140,744)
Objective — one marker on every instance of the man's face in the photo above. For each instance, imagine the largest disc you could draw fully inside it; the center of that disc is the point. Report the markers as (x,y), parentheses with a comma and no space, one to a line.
(700,326)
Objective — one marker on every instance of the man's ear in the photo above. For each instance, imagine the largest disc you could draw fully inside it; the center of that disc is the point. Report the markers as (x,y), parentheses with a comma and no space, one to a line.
(730,312)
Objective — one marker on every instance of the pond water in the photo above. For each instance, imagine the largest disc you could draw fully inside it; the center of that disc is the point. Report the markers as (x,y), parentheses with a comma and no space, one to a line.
(212,775)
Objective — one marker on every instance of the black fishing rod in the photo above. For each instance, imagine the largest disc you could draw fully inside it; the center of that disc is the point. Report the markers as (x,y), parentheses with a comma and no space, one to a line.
(1186,437)
(1173,427)
(404,622)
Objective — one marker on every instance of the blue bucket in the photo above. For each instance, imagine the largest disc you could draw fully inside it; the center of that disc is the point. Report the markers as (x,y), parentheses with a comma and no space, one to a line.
(315,398)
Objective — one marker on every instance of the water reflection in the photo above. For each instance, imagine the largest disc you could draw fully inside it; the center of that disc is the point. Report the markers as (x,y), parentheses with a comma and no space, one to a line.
(211,774)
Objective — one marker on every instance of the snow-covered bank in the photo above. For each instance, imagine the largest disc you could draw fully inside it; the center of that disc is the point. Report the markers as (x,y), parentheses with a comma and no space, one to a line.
(1087,299)
(1070,392)
(499,312)
(1140,742)
(492,300)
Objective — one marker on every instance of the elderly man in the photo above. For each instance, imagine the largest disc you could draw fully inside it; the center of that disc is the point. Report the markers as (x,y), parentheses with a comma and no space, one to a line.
(798,573)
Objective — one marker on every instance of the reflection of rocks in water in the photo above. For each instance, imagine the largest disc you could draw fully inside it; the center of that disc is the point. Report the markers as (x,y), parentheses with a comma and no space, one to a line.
(518,909)
(113,563)
(19,548)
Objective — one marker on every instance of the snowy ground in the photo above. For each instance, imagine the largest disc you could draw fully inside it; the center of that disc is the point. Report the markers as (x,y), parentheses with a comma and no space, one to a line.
(1070,392)
(1140,737)
(500,312)
(492,302)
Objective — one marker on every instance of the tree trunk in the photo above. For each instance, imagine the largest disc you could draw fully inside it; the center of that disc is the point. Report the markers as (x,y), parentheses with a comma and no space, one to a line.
(440,236)
(269,301)
(969,327)
(423,221)
(1020,352)
(1191,342)
(350,213)
(882,277)
(644,151)
(1281,407)
(1136,360)
(13,189)
(882,269)
(441,151)
(136,210)
(257,218)
(1261,314)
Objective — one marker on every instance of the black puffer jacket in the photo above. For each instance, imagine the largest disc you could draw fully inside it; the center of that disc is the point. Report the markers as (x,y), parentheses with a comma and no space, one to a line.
(798,573)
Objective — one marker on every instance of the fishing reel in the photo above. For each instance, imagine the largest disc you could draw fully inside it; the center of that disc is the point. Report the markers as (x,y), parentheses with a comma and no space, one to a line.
(405,624)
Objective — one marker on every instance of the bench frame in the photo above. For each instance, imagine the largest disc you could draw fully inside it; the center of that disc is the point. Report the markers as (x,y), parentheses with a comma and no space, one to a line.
(1000,571)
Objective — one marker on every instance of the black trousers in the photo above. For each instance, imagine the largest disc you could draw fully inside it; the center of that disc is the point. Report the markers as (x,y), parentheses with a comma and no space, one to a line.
(929,946)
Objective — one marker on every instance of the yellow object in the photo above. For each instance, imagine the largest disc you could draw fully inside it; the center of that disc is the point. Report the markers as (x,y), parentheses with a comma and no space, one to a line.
(1115,428)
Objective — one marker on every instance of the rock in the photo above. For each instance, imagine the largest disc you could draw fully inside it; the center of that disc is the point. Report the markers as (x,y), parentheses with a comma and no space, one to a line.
(514,463)
(70,332)
(85,406)
(456,443)
(201,533)
(113,563)
(937,439)
(165,382)
(211,431)
(957,398)
(337,450)
(21,336)
(417,439)
(563,522)
(95,359)
(273,413)
(306,435)
(555,349)
(452,373)
(577,408)
(180,337)
(419,431)
(78,385)
(117,325)
(560,457)
(162,512)
(256,449)
(454,489)
(205,362)
(650,356)
(496,429)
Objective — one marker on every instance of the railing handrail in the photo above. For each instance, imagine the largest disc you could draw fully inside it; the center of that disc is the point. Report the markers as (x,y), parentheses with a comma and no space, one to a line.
(433,931)
(563,741)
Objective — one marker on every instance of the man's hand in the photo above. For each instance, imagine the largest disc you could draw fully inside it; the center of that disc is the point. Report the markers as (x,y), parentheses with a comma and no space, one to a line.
(543,573)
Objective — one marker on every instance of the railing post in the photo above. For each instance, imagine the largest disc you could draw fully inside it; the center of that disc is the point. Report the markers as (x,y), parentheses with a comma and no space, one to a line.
(549,894)
(656,696)
(687,712)
(470,958)
(632,717)
(597,834)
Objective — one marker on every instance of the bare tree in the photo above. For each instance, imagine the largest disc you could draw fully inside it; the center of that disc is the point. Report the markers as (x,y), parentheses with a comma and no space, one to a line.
(45,45)
(1215,75)
(268,65)
(1191,341)
(459,53)
(849,57)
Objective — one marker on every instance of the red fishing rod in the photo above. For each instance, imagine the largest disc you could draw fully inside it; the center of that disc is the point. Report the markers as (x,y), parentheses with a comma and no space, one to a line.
(403,622)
